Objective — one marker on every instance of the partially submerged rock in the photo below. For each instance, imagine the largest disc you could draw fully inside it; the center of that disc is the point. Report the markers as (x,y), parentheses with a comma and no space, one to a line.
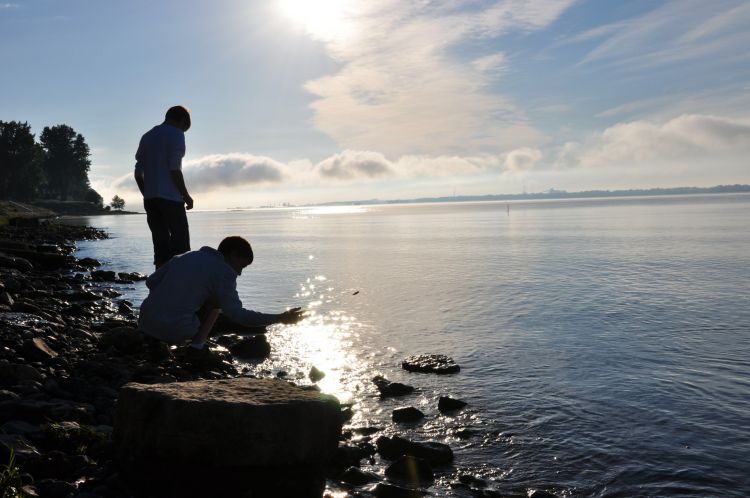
(430,363)
(447,404)
(251,347)
(388,388)
(407,414)
(435,453)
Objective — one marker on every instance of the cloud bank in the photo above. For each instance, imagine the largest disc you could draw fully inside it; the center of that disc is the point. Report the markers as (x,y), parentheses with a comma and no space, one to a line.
(685,138)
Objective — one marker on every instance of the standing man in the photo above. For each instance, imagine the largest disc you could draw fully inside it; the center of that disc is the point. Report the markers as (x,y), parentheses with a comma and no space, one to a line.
(158,172)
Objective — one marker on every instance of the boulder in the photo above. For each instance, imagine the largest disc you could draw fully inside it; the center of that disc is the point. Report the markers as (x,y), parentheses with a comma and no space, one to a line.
(446,404)
(388,388)
(251,347)
(8,261)
(7,299)
(434,453)
(430,363)
(231,423)
(407,414)
(410,470)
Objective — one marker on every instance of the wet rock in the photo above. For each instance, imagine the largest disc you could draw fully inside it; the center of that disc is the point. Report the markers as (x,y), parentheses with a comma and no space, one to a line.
(407,414)
(366,431)
(389,389)
(434,453)
(385,490)
(446,404)
(281,424)
(133,276)
(126,340)
(430,363)
(37,350)
(103,276)
(411,470)
(251,347)
(89,263)
(315,375)
(358,477)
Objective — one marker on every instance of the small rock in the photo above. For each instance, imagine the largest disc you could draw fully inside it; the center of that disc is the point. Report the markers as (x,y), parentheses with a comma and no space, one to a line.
(446,404)
(388,388)
(251,347)
(430,363)
(315,375)
(406,414)
(410,470)
(358,477)
(7,299)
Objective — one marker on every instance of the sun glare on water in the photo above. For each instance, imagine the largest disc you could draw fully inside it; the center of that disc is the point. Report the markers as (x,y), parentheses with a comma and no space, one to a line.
(322,18)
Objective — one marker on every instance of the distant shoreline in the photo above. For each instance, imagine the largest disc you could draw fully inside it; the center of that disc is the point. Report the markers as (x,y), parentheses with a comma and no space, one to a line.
(557,194)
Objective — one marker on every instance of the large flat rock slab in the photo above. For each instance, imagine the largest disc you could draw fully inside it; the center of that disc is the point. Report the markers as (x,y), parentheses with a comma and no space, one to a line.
(226,423)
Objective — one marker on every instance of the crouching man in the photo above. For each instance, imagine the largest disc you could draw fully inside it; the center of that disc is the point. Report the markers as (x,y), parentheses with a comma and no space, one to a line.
(187,294)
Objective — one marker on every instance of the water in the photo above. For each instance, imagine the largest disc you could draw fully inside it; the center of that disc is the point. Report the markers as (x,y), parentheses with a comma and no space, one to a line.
(604,344)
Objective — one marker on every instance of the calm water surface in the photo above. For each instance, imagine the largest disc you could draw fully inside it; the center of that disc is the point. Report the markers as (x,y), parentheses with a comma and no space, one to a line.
(604,344)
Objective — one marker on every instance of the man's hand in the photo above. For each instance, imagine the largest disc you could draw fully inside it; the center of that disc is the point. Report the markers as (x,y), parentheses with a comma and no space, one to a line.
(293,315)
(188,202)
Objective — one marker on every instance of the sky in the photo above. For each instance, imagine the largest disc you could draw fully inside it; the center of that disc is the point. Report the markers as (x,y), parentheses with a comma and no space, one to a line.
(301,101)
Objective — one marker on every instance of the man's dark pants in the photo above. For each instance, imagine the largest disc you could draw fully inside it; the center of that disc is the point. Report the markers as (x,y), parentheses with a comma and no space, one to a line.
(169,228)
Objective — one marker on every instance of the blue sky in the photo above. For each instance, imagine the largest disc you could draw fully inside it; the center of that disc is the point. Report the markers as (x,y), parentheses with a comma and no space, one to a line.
(299,101)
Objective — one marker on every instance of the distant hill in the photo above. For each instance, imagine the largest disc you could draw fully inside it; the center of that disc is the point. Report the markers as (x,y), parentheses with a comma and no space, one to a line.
(558,194)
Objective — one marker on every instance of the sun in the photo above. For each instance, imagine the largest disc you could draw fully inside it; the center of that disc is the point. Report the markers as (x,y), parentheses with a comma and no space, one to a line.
(321,18)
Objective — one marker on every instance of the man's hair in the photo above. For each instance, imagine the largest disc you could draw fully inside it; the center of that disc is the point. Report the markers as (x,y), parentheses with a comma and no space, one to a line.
(178,113)
(236,245)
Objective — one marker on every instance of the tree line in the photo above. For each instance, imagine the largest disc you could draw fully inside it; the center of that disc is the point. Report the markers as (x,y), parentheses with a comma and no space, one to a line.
(55,167)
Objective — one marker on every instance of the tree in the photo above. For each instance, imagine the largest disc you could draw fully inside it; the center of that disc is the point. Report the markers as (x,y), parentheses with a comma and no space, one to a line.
(117,202)
(66,161)
(93,197)
(20,159)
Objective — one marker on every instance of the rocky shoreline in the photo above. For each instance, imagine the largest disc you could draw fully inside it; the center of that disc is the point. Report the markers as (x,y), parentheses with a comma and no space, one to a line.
(70,344)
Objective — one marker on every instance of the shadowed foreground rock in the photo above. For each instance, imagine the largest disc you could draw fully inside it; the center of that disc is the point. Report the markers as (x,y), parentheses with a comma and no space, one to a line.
(243,437)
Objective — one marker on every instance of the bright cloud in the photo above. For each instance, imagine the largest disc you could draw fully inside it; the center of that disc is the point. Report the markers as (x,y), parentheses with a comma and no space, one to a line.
(401,91)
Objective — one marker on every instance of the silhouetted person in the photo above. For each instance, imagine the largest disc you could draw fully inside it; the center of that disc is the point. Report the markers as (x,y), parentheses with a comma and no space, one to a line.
(158,172)
(187,294)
